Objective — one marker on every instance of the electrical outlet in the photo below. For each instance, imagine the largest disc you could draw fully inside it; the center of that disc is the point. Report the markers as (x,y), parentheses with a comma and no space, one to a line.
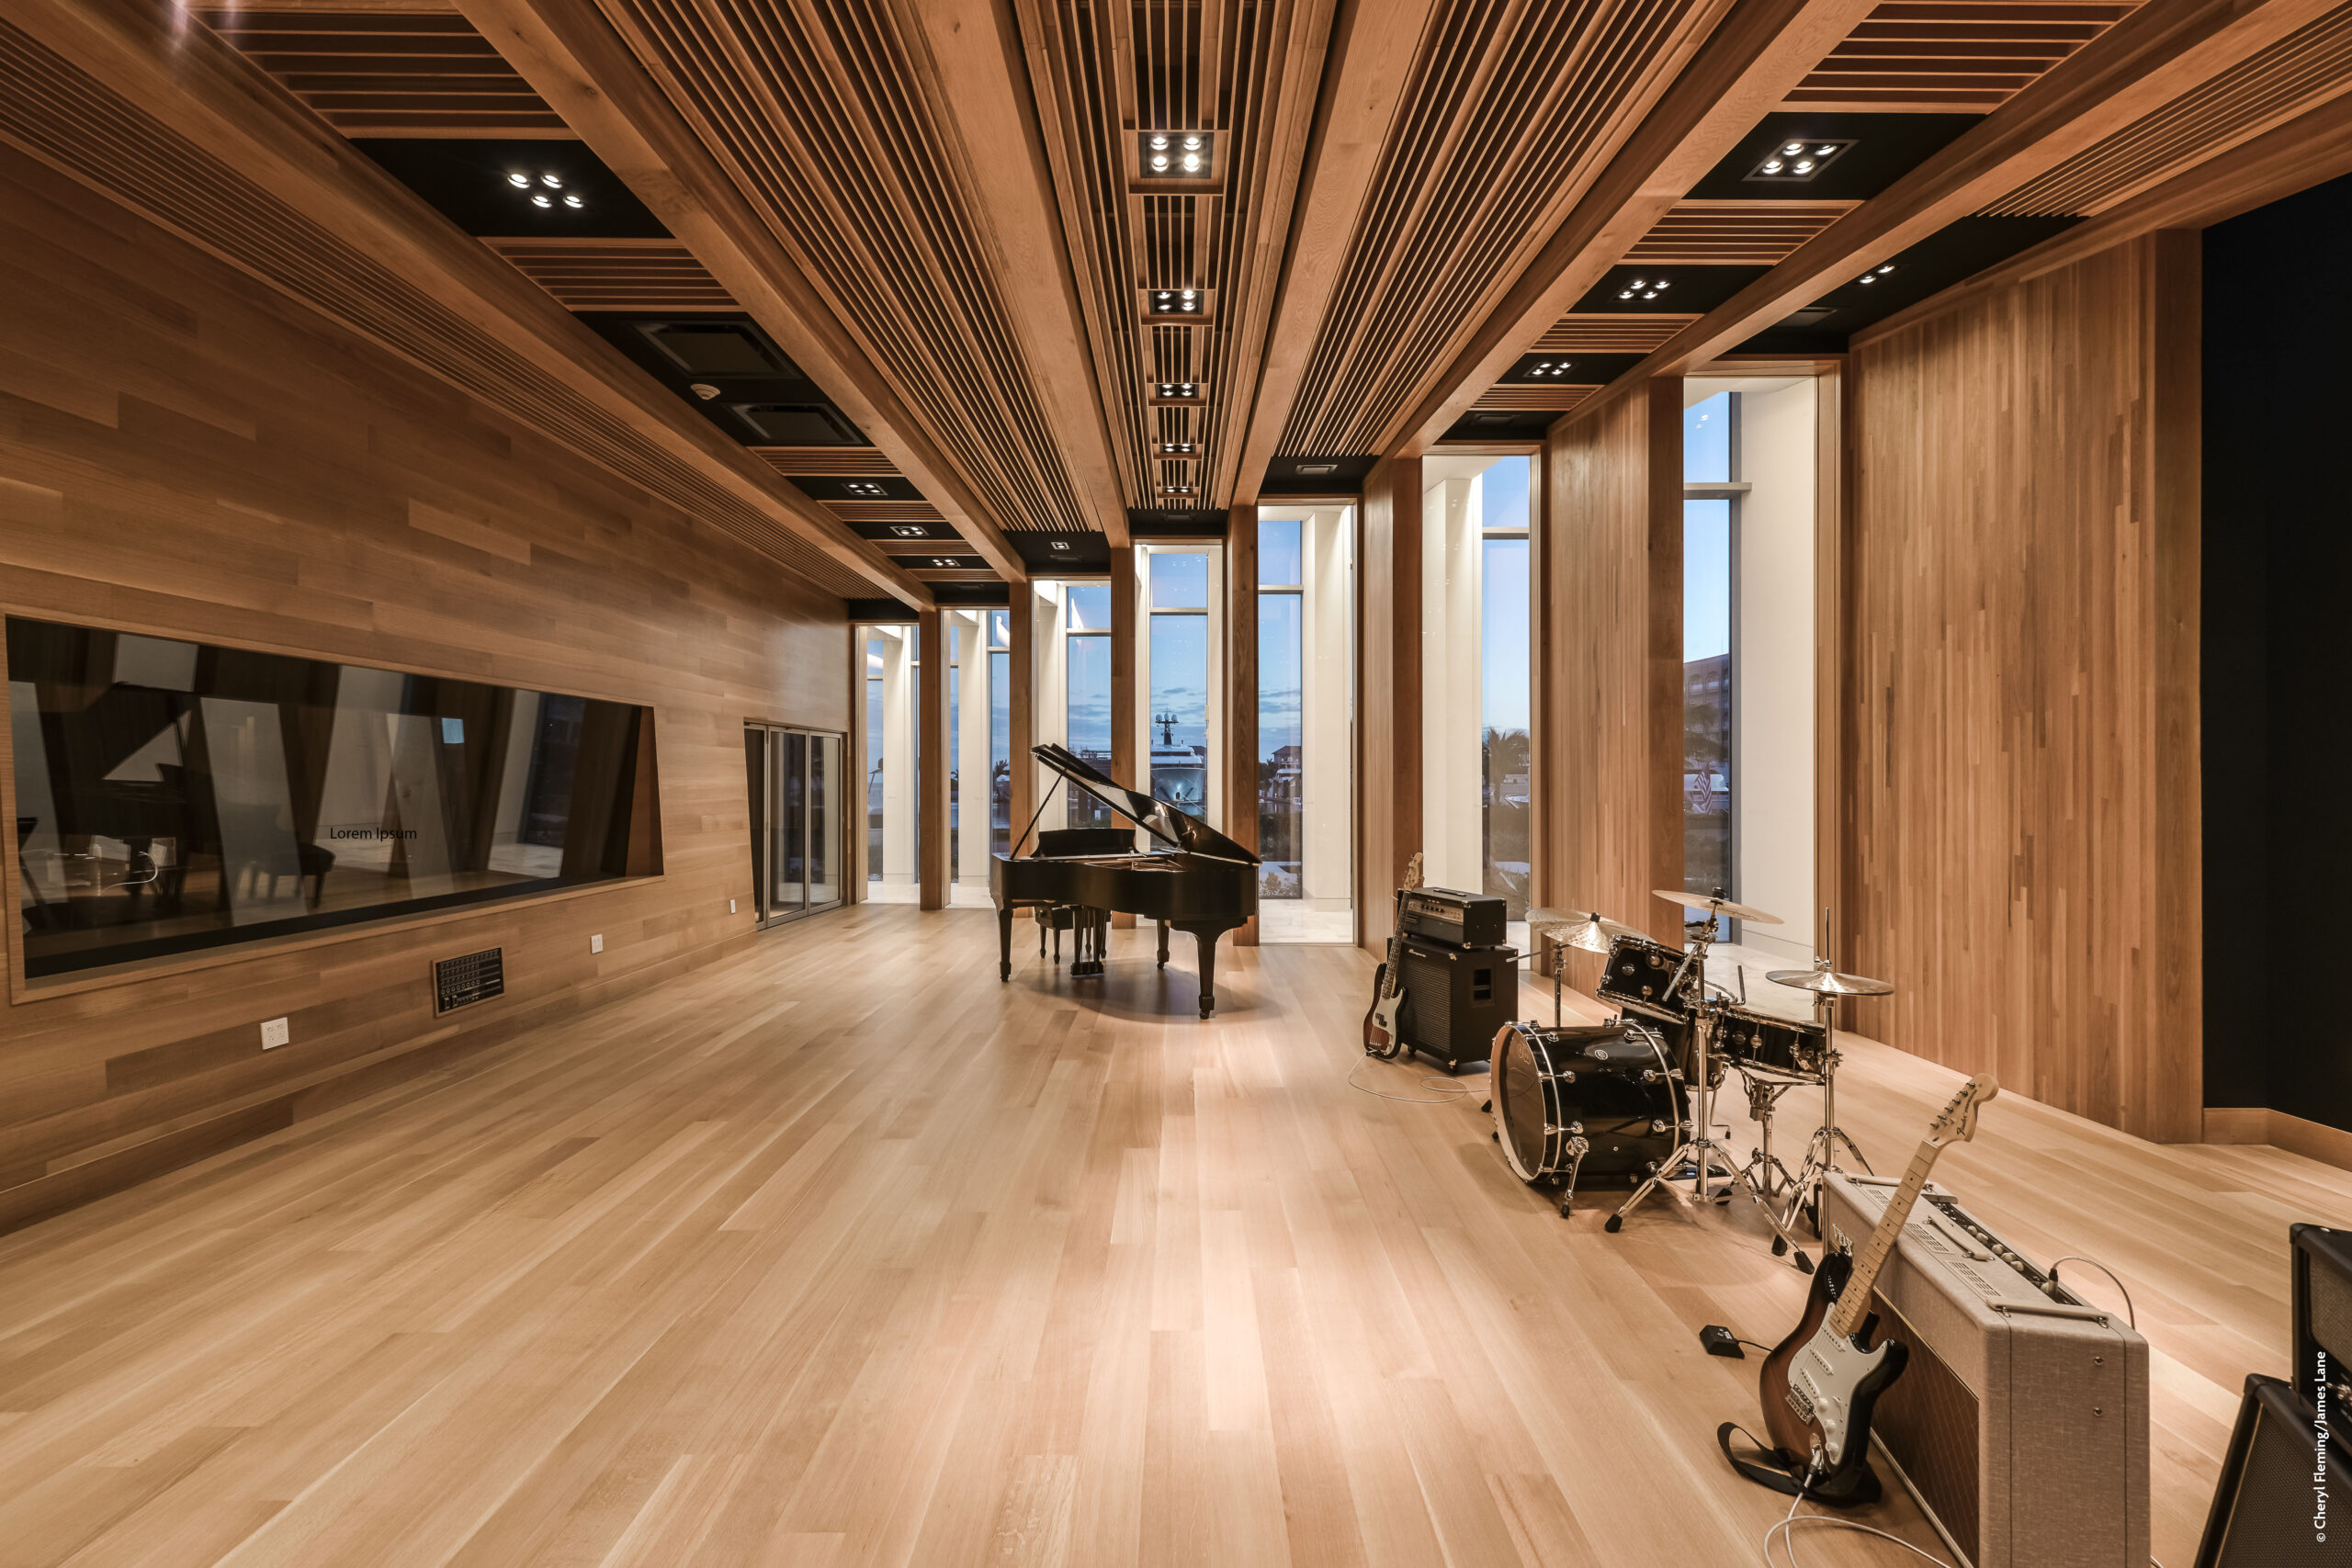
(596,942)
(731,905)
(273,1035)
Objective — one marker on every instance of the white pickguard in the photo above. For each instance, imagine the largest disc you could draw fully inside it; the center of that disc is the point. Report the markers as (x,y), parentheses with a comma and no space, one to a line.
(1384,1016)
(1822,1379)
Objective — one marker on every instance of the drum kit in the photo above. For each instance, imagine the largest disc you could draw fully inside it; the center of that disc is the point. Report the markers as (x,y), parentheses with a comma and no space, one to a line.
(1635,1097)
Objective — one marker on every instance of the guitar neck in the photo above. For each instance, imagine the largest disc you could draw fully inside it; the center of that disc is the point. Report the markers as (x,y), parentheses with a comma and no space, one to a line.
(1853,1302)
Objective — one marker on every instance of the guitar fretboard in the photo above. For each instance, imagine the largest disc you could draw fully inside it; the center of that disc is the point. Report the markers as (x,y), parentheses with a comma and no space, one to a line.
(1854,1302)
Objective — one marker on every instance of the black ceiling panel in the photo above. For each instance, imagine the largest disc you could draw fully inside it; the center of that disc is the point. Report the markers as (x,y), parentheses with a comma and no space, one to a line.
(768,402)
(1884,148)
(473,185)
(878,487)
(1956,252)
(1690,290)
(1582,369)
(1167,522)
(1058,555)
(1315,476)
(1501,424)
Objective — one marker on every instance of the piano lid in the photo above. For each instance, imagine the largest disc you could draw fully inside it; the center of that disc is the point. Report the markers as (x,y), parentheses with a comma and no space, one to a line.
(1177,830)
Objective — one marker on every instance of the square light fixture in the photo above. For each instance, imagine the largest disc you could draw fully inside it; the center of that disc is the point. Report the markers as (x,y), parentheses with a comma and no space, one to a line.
(944,563)
(1178,490)
(1057,544)
(1648,286)
(909,530)
(1546,370)
(1798,159)
(1177,448)
(1176,155)
(1179,392)
(1175,304)
(545,191)
(865,490)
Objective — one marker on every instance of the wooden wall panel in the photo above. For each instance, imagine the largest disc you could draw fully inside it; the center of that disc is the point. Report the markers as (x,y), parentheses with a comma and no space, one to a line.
(1612,730)
(1241,689)
(2023,854)
(183,450)
(932,753)
(1388,695)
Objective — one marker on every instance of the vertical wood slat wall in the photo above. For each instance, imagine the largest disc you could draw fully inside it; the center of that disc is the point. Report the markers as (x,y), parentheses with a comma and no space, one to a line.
(210,461)
(2022,854)
(1611,730)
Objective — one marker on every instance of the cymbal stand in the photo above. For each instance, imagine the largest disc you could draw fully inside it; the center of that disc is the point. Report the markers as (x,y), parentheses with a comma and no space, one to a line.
(1770,1175)
(1821,1149)
(1697,1142)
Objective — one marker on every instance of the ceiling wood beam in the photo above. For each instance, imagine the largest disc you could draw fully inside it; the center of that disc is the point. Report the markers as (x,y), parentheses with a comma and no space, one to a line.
(570,54)
(983,90)
(253,177)
(1762,49)
(2164,48)
(1373,46)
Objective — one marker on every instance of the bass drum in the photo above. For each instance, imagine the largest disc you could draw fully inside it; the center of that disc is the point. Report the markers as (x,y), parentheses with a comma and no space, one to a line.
(1594,1099)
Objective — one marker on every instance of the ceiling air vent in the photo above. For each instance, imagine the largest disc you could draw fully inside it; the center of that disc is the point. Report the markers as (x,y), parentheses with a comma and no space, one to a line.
(800,425)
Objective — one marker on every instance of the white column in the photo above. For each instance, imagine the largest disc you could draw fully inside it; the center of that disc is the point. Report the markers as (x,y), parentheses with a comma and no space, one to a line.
(897,755)
(1452,818)
(1772,667)
(1326,694)
(1049,693)
(1213,786)
(971,866)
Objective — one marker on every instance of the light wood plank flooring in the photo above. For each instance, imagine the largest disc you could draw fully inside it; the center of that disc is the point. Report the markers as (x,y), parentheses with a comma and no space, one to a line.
(842,1253)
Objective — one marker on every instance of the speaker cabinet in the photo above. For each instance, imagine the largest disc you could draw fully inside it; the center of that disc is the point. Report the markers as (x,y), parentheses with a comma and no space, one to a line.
(2280,1490)
(1455,998)
(2321,1287)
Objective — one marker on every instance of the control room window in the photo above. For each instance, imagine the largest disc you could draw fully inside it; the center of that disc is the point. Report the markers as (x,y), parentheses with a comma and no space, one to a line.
(174,796)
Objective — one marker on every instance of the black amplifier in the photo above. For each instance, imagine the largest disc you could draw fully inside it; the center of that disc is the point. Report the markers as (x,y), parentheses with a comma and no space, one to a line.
(1447,915)
(1455,997)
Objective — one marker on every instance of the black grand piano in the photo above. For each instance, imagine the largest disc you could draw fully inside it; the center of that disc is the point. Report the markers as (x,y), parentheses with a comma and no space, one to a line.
(1195,879)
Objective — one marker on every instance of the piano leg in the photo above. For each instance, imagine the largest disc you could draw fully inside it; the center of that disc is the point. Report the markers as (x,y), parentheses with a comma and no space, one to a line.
(1205,937)
(1163,944)
(1003,942)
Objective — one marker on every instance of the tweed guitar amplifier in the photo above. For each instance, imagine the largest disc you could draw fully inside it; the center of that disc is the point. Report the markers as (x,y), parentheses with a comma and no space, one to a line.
(2021,1421)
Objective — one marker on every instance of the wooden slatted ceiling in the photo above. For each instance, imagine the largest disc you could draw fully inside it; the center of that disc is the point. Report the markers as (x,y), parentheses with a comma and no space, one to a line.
(618,275)
(1952,54)
(820,117)
(2300,72)
(385,73)
(1510,112)
(1104,69)
(1735,234)
(828,461)
(1550,398)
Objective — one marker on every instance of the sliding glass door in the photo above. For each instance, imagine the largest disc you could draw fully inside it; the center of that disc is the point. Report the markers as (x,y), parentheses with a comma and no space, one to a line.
(795,788)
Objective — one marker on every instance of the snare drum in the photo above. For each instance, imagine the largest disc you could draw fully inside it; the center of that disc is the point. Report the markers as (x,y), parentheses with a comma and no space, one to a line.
(1595,1098)
(1638,974)
(1755,1042)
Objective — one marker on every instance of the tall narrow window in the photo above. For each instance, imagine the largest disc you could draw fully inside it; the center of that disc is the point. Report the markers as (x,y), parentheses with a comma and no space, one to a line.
(1710,448)
(1180,679)
(959,647)
(999,732)
(1504,751)
(1087,700)
(1281,756)
(893,755)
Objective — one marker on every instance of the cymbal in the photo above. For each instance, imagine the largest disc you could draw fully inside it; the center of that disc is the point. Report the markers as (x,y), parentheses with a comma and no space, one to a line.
(1721,906)
(1822,980)
(1586,930)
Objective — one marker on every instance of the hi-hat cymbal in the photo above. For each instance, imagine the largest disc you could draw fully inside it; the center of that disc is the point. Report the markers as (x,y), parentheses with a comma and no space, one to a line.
(1719,905)
(1585,929)
(1822,980)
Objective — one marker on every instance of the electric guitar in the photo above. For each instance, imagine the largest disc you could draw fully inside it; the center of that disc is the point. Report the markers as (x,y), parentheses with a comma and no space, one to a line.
(1381,1036)
(1820,1385)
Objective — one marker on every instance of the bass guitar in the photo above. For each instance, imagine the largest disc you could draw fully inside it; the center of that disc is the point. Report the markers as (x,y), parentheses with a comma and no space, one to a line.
(1821,1382)
(1381,1036)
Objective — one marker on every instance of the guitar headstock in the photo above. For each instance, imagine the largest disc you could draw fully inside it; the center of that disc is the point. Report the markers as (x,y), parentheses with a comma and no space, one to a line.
(1413,870)
(1957,1125)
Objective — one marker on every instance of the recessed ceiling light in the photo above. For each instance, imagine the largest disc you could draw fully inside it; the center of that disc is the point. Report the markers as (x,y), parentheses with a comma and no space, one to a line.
(1180,448)
(572,201)
(1798,160)
(909,530)
(1873,275)
(1179,389)
(1178,155)
(1551,367)
(702,389)
(541,200)
(550,182)
(1174,301)
(865,490)
(1059,544)
(518,180)
(943,562)
(1318,468)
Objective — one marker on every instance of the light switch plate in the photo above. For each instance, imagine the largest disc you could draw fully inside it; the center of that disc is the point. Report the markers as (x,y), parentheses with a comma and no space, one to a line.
(596,942)
(731,905)
(273,1035)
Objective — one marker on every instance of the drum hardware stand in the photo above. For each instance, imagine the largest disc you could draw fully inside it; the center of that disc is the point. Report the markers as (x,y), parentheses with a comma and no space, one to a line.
(1698,1144)
(1821,1151)
(1770,1176)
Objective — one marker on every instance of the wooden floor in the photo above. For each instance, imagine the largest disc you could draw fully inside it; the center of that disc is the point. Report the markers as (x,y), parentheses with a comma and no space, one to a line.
(844,1253)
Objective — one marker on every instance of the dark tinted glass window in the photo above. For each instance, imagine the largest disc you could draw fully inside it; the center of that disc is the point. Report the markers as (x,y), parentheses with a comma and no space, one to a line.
(174,796)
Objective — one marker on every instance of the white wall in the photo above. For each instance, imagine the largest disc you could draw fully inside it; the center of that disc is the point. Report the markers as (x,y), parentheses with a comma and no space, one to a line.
(972,697)
(1453,821)
(1327,693)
